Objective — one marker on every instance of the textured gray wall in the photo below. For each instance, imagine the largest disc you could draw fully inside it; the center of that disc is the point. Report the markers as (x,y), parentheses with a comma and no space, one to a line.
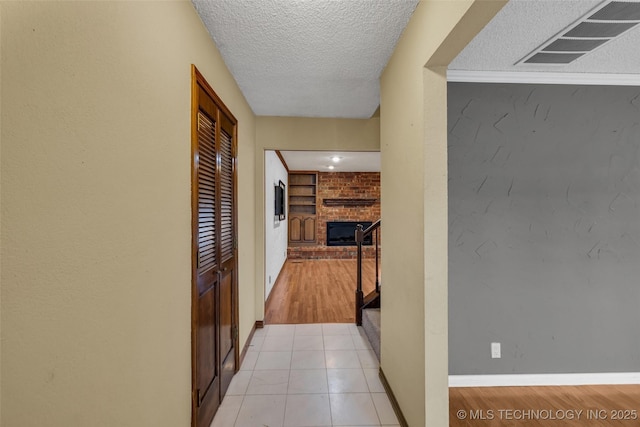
(544,228)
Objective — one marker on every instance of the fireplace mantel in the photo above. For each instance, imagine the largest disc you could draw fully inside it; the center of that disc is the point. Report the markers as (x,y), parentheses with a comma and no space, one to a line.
(349,202)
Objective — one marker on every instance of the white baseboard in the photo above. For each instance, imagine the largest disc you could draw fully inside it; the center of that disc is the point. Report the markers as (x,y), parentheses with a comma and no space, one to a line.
(611,378)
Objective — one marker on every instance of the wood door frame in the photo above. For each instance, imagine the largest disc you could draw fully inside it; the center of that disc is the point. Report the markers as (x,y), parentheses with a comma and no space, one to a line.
(198,81)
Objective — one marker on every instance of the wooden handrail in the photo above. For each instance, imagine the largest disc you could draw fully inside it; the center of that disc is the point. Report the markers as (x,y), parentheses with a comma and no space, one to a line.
(361,233)
(366,232)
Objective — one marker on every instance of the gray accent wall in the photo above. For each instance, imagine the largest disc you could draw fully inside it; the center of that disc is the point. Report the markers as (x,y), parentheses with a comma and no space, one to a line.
(544,228)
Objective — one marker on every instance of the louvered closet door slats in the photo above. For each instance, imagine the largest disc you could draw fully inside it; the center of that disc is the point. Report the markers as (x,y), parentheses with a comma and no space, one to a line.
(226,195)
(207,256)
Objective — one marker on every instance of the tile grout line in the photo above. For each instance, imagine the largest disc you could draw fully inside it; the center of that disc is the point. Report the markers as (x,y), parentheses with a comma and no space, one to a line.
(286,398)
(326,375)
(375,408)
(235,420)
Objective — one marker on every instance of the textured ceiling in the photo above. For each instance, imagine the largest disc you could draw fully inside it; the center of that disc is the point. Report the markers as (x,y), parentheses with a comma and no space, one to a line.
(321,160)
(523,25)
(309,58)
(323,58)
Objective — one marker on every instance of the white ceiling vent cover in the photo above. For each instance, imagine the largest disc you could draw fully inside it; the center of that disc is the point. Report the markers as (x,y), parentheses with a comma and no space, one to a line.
(606,22)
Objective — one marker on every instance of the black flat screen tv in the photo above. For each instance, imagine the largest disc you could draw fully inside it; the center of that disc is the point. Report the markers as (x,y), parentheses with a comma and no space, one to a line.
(279,201)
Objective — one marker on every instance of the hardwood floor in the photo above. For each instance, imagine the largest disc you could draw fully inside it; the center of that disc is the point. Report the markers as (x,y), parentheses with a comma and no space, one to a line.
(566,406)
(317,291)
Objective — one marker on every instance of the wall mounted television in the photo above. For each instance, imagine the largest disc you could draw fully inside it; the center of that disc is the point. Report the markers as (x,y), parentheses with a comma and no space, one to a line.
(279,201)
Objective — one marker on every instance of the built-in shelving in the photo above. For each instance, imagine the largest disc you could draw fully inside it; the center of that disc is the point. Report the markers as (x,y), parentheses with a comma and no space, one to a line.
(302,193)
(302,207)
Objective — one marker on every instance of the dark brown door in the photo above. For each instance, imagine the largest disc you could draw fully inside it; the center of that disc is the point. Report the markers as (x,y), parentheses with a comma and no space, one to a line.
(214,289)
(228,273)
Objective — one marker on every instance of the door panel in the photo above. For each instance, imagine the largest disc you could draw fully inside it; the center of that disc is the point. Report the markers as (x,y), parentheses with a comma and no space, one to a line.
(227,253)
(214,277)
(205,168)
(227,354)
(207,370)
(226,191)
(295,229)
(207,340)
(309,226)
(208,378)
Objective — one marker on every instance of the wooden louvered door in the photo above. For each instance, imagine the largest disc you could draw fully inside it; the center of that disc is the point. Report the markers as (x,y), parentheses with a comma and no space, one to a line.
(228,273)
(214,275)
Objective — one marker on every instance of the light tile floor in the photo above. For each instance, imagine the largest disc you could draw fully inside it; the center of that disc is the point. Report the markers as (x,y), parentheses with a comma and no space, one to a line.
(317,375)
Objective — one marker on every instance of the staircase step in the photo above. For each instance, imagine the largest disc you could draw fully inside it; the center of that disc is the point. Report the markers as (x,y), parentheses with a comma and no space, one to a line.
(372,300)
(371,326)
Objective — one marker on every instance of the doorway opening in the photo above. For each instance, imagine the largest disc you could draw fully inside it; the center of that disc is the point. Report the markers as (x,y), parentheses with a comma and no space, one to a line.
(307,278)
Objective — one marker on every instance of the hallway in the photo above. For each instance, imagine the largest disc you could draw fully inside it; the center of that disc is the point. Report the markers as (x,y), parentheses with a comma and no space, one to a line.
(307,375)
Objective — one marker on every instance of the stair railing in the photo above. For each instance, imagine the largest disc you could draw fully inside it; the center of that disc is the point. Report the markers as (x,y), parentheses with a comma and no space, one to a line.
(361,234)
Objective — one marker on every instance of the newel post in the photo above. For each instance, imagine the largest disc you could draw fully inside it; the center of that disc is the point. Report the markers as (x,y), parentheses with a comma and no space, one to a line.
(359,295)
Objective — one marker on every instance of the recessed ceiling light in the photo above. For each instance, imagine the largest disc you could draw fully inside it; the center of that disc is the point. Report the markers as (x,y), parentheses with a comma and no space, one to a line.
(331,167)
(336,159)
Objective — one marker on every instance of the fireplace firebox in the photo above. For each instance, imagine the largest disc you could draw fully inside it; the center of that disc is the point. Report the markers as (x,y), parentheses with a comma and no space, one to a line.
(343,233)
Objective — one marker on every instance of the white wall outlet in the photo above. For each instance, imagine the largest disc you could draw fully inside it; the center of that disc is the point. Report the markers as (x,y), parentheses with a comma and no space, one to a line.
(495,350)
(269,279)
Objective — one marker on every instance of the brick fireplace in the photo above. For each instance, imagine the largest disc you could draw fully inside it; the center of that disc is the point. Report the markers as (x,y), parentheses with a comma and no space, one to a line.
(342,196)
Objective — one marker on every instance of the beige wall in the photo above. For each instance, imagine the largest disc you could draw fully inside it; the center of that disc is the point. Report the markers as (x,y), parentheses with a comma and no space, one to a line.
(297,133)
(0,218)
(414,204)
(96,210)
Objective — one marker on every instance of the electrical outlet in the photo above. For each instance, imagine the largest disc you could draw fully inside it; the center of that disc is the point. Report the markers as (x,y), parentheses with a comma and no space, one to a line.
(269,279)
(495,350)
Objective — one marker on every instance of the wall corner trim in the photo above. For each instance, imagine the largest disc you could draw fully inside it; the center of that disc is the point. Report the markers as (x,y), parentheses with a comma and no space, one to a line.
(604,378)
(284,162)
(537,77)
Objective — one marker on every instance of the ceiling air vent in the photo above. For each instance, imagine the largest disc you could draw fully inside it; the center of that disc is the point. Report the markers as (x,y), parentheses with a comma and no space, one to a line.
(553,58)
(606,22)
(618,11)
(601,30)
